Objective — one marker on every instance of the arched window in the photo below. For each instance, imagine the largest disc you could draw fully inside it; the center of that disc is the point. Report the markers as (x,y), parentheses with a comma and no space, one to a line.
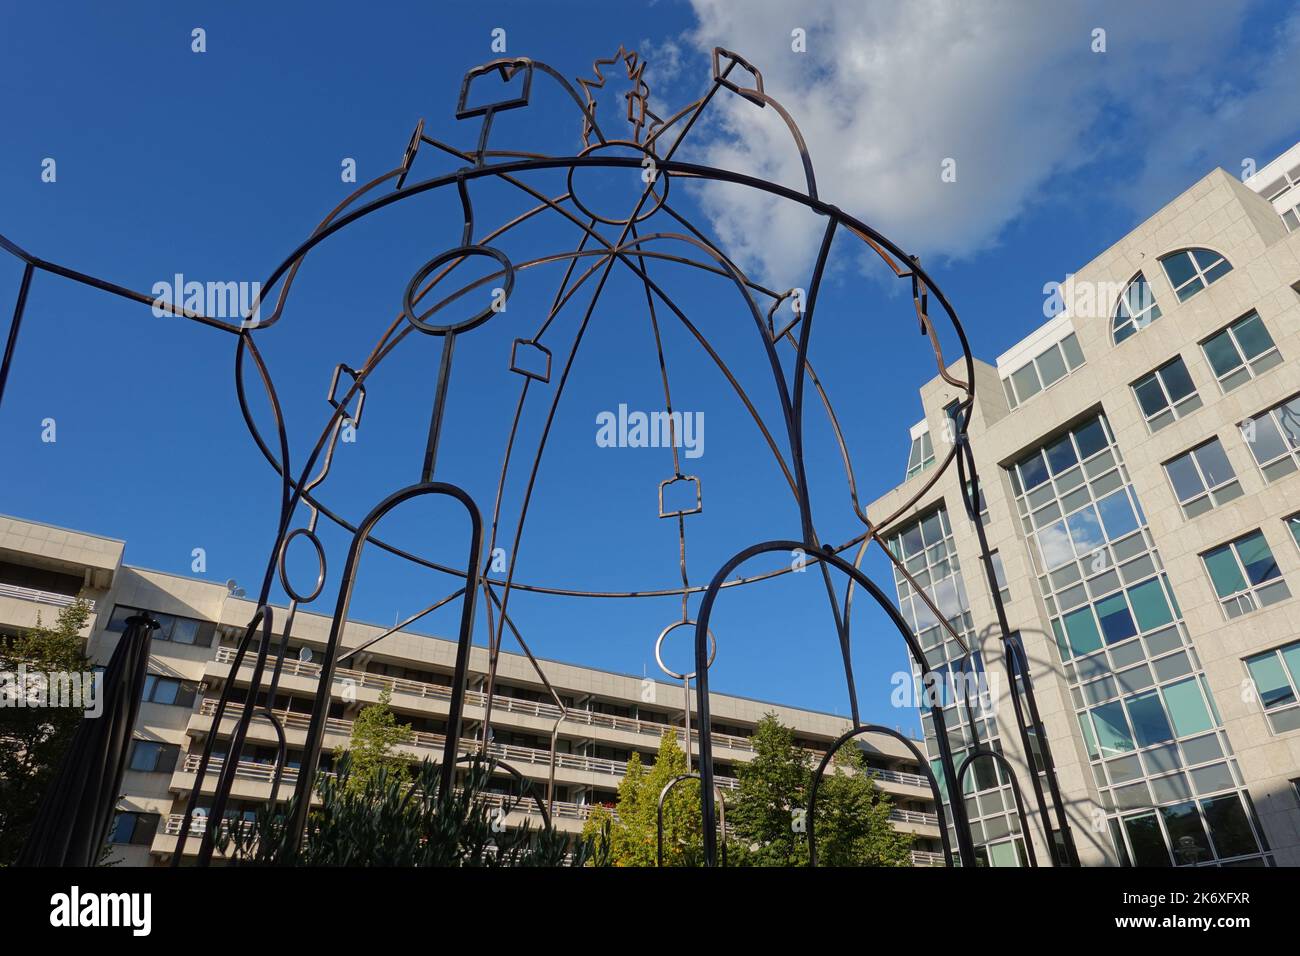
(1191,270)
(1136,309)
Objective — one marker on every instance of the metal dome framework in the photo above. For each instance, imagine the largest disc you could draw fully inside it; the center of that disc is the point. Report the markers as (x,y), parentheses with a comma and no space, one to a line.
(653,141)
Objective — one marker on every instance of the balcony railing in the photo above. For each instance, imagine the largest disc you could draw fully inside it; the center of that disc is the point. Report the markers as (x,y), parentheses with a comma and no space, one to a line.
(926,858)
(226,655)
(40,597)
(512,754)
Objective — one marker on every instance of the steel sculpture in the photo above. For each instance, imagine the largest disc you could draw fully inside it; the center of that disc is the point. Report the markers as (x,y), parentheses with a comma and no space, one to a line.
(653,234)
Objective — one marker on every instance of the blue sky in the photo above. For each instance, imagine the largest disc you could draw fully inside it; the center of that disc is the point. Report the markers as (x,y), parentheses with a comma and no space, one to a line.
(216,164)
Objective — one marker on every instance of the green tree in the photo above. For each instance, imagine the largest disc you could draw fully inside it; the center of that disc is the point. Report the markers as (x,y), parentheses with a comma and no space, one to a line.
(853,827)
(33,739)
(633,831)
(375,736)
(768,819)
(767,816)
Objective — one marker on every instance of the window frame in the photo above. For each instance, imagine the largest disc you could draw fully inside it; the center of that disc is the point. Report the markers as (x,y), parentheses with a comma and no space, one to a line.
(1246,599)
(1293,681)
(140,817)
(1254,366)
(1133,321)
(1249,429)
(1014,398)
(1211,492)
(1174,410)
(1199,274)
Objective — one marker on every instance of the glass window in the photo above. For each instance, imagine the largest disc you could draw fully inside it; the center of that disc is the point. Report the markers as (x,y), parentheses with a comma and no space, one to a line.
(1150,606)
(1117,515)
(1245,575)
(1148,843)
(1241,351)
(1136,309)
(1082,631)
(1273,437)
(1116,622)
(1187,708)
(1150,726)
(1191,270)
(1202,478)
(1043,371)
(1112,731)
(1186,834)
(1000,575)
(921,455)
(1229,827)
(1166,394)
(1276,675)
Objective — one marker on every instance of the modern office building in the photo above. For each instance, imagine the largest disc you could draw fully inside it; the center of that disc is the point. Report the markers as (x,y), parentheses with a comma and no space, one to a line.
(608,716)
(1139,456)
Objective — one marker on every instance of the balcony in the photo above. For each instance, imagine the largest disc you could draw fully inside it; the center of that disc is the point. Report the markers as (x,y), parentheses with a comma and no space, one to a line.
(40,597)
(514,755)
(574,716)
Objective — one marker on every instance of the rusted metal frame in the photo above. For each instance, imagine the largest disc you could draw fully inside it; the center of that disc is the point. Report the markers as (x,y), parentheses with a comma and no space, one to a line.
(960,821)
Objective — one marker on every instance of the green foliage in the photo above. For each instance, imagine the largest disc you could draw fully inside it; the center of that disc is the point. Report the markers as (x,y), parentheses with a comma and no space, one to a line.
(768,820)
(853,827)
(391,822)
(375,736)
(633,833)
(33,739)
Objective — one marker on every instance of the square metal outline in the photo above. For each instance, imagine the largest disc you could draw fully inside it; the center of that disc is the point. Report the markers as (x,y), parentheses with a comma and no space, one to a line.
(526,373)
(465,112)
(699,499)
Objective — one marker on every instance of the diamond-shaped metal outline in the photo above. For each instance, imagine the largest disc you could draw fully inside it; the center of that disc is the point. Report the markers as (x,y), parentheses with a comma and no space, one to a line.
(361,394)
(755,93)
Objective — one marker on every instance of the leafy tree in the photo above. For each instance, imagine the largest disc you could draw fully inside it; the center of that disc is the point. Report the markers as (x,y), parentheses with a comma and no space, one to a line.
(853,827)
(375,736)
(33,739)
(633,833)
(768,820)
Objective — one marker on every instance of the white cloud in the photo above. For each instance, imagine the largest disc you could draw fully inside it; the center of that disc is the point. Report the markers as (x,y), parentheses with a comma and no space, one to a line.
(1010,90)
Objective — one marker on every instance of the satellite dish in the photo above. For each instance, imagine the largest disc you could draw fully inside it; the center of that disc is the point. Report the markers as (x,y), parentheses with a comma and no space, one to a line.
(304,655)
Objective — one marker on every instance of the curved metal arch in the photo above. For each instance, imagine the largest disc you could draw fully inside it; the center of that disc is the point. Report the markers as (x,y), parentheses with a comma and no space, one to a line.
(495,763)
(320,705)
(226,779)
(921,762)
(705,613)
(1001,760)
(659,814)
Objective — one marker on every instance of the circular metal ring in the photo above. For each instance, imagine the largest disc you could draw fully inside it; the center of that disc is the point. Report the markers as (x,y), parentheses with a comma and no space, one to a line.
(464,325)
(661,198)
(713,650)
(320,562)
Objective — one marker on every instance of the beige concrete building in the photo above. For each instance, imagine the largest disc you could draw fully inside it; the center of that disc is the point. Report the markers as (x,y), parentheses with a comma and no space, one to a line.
(1139,460)
(609,716)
